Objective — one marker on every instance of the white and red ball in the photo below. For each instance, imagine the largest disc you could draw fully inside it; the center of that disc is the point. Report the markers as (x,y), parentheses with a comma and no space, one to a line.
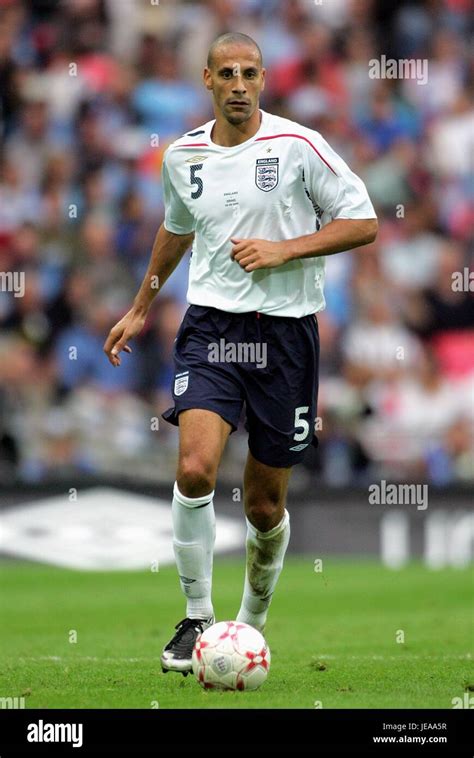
(231,655)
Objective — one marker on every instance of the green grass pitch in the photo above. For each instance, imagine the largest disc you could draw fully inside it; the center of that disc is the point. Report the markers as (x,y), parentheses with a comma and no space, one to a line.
(333,637)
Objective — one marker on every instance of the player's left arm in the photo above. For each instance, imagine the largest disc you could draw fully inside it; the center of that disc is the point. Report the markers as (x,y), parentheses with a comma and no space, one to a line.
(342,196)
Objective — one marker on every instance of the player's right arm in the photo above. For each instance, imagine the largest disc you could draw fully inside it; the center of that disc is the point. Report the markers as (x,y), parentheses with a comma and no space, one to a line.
(168,249)
(171,242)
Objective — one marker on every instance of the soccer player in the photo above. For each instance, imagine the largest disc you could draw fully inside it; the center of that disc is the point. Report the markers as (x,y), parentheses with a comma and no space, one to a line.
(263,200)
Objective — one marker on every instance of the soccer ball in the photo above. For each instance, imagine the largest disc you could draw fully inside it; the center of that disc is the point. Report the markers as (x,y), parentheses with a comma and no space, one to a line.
(231,656)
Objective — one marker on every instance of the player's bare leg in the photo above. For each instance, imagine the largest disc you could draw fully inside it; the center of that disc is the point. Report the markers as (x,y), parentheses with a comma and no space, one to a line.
(202,438)
(268,534)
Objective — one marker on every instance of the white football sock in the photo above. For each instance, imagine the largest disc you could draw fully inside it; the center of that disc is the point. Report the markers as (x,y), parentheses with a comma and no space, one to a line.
(194,533)
(265,554)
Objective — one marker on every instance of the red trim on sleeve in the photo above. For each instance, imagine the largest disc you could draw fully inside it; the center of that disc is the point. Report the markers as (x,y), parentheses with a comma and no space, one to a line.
(299,136)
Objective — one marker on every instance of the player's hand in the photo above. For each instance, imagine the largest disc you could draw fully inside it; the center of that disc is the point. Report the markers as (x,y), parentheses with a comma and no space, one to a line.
(254,253)
(124,330)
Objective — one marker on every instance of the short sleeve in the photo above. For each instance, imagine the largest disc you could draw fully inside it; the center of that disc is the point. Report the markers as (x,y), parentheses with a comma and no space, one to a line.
(178,219)
(332,185)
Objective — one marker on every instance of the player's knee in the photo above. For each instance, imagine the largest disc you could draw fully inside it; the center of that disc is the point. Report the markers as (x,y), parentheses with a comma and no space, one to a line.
(264,512)
(196,477)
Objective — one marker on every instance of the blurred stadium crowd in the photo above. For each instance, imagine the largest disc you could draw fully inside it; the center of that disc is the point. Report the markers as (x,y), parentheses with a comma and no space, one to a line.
(85,87)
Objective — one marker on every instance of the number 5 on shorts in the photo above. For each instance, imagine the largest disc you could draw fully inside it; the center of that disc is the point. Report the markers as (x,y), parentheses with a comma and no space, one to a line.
(301,423)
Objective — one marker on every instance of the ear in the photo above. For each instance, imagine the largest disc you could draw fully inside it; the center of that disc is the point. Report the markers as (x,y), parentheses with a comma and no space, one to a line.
(264,71)
(207,79)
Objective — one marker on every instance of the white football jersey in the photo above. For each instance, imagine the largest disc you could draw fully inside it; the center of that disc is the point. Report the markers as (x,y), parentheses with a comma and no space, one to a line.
(284,182)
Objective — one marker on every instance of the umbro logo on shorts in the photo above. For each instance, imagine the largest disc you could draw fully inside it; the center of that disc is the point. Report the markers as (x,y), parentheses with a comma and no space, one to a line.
(181,382)
(296,448)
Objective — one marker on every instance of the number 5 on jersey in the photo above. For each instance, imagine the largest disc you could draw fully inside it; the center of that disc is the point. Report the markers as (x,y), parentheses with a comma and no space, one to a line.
(196,180)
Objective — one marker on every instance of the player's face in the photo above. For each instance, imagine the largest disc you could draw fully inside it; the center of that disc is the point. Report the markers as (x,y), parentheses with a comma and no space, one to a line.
(236,80)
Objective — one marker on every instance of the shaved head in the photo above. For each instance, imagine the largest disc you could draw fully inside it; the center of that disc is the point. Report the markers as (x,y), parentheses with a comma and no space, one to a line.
(236,77)
(232,38)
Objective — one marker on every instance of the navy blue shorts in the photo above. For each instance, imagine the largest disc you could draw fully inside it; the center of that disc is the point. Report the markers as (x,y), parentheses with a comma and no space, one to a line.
(269,363)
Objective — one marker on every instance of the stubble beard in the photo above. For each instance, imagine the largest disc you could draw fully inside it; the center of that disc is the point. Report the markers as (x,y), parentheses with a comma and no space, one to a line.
(236,120)
(239,118)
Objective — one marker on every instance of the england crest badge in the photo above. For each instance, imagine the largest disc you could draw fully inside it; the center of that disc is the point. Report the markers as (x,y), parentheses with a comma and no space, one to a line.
(266,173)
(181,382)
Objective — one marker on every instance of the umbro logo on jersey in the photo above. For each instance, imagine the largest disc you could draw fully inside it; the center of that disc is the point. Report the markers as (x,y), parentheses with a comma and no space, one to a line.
(197,159)
(266,173)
